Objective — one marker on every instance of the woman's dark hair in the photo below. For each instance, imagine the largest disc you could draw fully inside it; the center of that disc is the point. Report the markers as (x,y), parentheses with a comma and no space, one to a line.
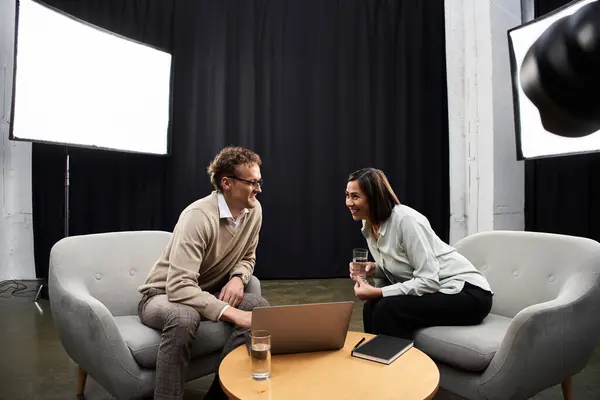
(380,195)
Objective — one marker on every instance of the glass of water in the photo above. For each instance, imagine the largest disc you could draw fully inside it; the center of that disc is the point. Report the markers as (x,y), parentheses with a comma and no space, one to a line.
(361,256)
(260,351)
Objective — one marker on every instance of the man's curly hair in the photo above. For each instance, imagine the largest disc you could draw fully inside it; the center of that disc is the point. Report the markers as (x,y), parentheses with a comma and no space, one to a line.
(225,162)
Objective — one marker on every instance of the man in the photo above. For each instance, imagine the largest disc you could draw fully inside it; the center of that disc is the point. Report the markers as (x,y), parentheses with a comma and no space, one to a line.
(212,250)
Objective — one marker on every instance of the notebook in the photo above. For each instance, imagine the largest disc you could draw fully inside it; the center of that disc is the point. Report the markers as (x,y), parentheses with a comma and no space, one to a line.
(382,348)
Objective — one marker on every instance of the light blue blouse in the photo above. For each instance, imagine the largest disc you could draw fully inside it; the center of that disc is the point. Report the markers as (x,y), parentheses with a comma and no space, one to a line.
(411,259)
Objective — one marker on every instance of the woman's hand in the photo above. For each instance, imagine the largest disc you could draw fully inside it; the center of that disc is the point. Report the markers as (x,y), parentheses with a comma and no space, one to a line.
(364,269)
(364,291)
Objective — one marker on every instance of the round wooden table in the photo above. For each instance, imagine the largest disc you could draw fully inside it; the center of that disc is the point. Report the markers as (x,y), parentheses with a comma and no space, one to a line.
(331,375)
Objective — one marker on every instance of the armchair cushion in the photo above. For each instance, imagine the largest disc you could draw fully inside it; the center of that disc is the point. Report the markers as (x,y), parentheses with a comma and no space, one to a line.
(143,341)
(468,348)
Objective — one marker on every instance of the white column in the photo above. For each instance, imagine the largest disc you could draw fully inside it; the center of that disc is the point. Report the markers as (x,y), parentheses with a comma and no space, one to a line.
(16,233)
(486,182)
(469,70)
(509,174)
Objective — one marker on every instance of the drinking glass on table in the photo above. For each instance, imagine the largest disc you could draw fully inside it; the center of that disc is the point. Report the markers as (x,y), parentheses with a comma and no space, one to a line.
(260,351)
(360,258)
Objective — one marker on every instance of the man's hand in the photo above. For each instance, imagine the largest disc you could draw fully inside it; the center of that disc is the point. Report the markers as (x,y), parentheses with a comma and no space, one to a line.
(364,291)
(243,319)
(233,292)
(367,269)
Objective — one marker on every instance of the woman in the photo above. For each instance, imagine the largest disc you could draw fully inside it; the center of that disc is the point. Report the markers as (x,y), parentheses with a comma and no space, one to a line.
(419,280)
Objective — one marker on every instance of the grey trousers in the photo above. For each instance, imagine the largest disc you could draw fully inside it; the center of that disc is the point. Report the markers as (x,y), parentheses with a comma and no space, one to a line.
(179,324)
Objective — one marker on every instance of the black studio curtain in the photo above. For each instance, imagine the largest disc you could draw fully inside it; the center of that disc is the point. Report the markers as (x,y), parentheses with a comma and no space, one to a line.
(319,88)
(562,193)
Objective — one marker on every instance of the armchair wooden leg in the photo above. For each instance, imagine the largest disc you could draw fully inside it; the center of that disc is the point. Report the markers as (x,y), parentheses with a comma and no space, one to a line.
(81,378)
(567,388)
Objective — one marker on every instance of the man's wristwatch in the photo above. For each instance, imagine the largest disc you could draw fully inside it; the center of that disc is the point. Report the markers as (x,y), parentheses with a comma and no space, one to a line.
(241,276)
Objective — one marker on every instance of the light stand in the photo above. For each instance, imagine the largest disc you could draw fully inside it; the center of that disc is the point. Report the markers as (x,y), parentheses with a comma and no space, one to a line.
(66,213)
(67,184)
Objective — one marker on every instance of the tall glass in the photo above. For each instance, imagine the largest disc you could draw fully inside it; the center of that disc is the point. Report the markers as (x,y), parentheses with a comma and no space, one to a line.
(361,256)
(260,351)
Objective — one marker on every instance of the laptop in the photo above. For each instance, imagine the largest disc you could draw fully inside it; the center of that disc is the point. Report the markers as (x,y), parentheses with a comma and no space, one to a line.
(304,328)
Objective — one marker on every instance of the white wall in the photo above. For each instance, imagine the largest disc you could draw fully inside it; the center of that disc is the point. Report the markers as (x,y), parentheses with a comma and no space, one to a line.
(16,234)
(486,181)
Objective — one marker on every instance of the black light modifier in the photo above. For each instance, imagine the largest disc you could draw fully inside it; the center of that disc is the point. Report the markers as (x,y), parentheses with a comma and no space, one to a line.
(560,74)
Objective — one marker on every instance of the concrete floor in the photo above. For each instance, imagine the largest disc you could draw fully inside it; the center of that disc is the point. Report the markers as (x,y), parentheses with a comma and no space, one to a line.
(34,365)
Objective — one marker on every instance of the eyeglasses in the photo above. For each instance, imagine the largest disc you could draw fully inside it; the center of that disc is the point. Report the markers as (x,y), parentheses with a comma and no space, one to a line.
(253,183)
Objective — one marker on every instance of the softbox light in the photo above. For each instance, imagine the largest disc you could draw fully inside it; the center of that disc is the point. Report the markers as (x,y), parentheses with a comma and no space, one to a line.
(79,85)
(555,66)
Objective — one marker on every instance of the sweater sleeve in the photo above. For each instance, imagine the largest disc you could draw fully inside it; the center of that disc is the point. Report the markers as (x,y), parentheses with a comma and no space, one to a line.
(187,252)
(426,269)
(245,266)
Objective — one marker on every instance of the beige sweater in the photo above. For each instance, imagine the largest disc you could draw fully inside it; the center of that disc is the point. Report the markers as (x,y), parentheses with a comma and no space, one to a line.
(203,253)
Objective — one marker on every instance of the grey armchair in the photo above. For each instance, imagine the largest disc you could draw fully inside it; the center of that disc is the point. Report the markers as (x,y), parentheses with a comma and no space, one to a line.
(544,323)
(93,283)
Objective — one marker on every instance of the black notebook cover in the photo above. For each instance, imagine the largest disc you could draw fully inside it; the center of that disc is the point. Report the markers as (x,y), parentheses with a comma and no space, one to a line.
(382,348)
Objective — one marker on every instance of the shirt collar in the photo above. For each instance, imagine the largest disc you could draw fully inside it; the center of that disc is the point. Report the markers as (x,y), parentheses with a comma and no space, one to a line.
(224,211)
(383,226)
(366,229)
